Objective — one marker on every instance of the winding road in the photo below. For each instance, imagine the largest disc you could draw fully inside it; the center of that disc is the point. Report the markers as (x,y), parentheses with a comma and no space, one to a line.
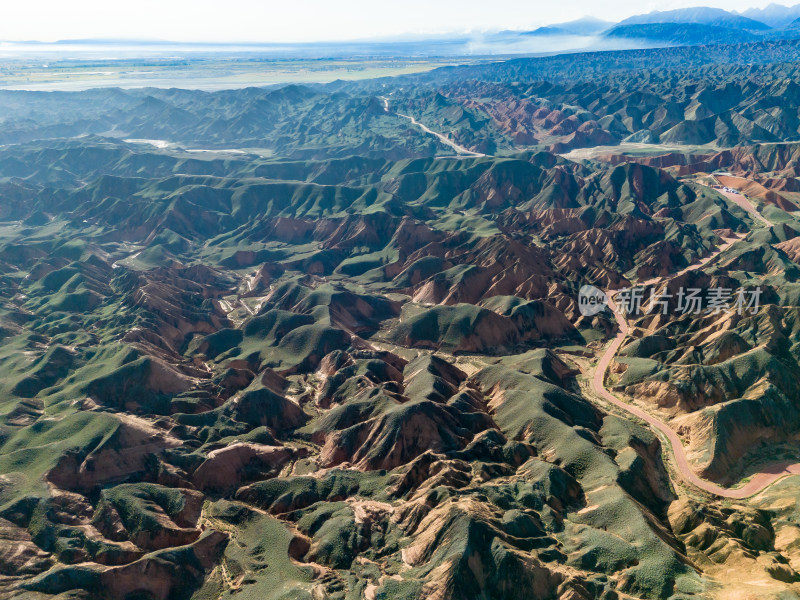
(460,150)
(759,481)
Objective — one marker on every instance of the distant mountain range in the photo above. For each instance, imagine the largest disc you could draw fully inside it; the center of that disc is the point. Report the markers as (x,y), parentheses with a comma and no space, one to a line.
(682,34)
(681,27)
(686,26)
(584,26)
(774,15)
(715,17)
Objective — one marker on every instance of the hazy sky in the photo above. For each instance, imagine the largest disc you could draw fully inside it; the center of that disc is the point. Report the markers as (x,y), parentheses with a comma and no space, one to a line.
(303,20)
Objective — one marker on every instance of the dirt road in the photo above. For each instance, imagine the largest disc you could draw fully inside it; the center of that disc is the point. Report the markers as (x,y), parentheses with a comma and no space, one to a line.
(758,481)
(460,150)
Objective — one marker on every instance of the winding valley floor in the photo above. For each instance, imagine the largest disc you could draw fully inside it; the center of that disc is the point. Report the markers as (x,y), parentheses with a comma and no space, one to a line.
(758,481)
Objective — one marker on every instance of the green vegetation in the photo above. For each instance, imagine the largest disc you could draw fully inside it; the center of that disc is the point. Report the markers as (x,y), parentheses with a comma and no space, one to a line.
(350,364)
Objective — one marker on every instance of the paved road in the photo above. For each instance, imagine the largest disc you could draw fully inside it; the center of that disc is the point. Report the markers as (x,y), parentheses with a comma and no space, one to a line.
(758,481)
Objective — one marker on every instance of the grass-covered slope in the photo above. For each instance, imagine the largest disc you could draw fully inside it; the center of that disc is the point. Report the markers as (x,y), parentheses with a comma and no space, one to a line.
(363,374)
